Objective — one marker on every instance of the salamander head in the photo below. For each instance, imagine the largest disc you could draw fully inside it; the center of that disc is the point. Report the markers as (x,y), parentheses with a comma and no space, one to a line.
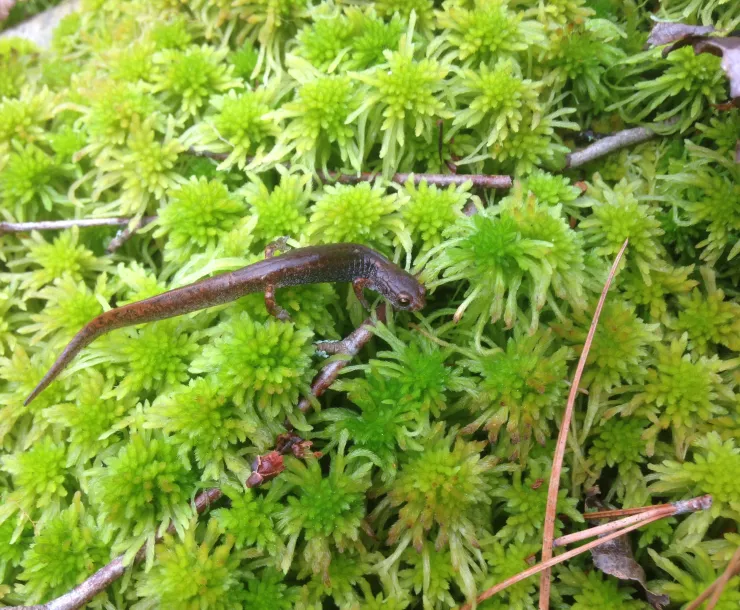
(402,289)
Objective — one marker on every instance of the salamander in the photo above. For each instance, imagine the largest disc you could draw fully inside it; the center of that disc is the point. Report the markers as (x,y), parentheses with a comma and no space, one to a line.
(360,265)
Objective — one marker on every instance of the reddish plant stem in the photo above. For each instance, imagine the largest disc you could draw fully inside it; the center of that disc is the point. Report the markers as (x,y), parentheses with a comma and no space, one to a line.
(480,180)
(557,460)
(716,589)
(271,462)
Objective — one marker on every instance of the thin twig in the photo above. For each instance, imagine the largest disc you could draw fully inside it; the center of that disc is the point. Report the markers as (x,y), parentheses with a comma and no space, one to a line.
(58,225)
(349,346)
(480,180)
(716,589)
(626,137)
(702,503)
(557,460)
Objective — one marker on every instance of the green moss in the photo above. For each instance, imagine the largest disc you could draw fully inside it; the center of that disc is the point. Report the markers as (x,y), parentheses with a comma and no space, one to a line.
(141,488)
(198,213)
(194,573)
(325,511)
(265,364)
(432,450)
(63,553)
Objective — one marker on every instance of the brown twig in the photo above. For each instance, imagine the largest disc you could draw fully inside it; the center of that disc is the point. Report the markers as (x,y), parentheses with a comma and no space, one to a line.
(716,589)
(349,346)
(557,460)
(265,467)
(480,180)
(604,146)
(695,504)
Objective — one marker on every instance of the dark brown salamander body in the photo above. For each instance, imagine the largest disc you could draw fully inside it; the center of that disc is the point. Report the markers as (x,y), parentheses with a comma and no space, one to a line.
(313,265)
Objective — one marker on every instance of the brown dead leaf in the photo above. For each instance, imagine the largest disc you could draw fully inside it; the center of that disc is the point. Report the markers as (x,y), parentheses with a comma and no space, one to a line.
(728,48)
(665,33)
(615,558)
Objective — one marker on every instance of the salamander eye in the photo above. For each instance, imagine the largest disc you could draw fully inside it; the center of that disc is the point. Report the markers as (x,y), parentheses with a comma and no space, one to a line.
(404,300)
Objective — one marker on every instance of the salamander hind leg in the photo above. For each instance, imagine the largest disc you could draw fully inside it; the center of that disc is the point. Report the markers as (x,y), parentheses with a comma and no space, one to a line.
(272,306)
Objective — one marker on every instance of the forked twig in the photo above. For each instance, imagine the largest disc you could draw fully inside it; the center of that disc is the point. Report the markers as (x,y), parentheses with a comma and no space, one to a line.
(123,236)
(486,181)
(557,460)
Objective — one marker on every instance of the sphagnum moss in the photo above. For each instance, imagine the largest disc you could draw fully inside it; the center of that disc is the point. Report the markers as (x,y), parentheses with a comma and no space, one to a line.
(410,504)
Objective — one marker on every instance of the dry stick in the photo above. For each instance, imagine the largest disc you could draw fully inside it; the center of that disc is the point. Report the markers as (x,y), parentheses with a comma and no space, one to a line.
(626,137)
(694,504)
(107,575)
(481,180)
(718,586)
(557,460)
(57,225)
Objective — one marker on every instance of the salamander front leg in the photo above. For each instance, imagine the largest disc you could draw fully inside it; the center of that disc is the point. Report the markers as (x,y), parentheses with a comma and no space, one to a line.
(359,285)
(274,309)
(279,245)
